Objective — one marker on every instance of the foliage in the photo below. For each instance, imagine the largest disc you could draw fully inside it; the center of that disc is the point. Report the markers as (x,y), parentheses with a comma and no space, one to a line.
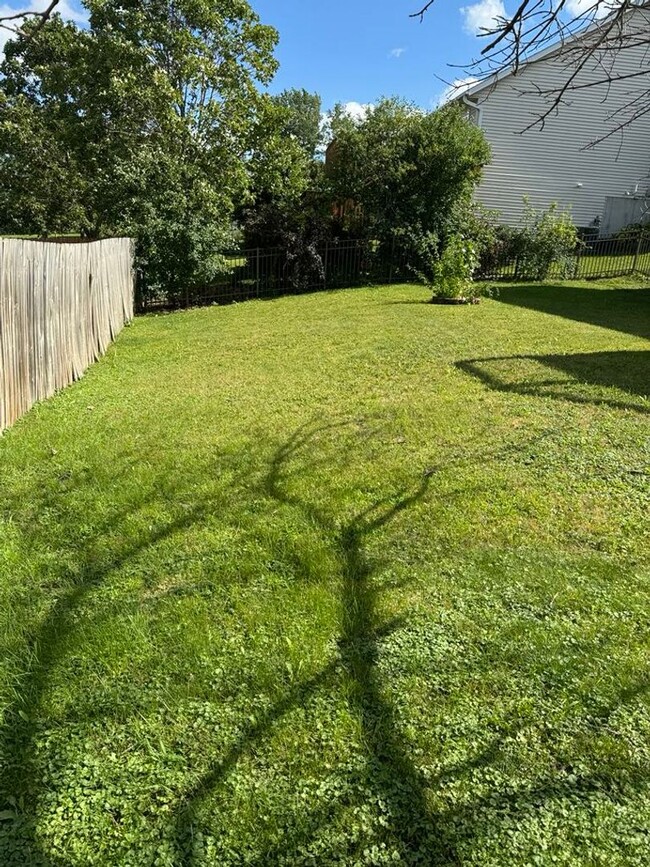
(477,223)
(453,272)
(547,238)
(634,230)
(286,186)
(406,168)
(145,119)
(337,580)
(448,267)
(39,194)
(287,206)
(302,118)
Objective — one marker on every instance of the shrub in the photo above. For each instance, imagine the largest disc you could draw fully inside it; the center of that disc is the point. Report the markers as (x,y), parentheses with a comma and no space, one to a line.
(407,170)
(453,272)
(634,231)
(449,274)
(503,249)
(548,238)
(420,250)
(481,225)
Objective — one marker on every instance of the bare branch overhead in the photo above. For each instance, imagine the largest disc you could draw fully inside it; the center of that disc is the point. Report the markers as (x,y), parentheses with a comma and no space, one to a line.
(13,22)
(592,38)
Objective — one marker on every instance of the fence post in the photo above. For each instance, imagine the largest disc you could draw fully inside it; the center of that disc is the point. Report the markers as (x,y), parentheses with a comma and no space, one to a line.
(325,265)
(257,271)
(637,252)
(392,257)
(576,270)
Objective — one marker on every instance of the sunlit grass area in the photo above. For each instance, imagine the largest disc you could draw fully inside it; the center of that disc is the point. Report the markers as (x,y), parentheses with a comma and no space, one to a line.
(344,578)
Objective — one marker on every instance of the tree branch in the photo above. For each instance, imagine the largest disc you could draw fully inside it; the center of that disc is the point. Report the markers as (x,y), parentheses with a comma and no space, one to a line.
(422,11)
(43,17)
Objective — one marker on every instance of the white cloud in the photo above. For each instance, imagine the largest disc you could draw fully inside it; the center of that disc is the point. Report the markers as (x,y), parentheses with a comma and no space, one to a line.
(396,52)
(488,14)
(357,110)
(599,8)
(483,16)
(457,86)
(70,11)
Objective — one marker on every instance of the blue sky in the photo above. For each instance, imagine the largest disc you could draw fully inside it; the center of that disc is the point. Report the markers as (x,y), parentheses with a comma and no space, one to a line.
(354,51)
(359,50)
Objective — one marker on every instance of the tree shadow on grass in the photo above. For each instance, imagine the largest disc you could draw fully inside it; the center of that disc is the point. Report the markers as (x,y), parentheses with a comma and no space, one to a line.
(20,778)
(415,830)
(625,310)
(391,773)
(420,833)
(585,377)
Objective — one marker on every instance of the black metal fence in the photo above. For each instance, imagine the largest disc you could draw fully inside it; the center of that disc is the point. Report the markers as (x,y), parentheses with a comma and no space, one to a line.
(592,259)
(271,272)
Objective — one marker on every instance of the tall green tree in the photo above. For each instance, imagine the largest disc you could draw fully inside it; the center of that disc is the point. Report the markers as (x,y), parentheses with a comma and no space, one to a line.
(145,120)
(406,169)
(287,200)
(302,118)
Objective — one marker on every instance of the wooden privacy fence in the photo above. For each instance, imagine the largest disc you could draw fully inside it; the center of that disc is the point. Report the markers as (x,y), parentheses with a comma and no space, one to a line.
(61,305)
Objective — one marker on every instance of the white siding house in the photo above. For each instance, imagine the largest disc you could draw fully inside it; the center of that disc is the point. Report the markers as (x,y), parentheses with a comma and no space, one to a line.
(554,163)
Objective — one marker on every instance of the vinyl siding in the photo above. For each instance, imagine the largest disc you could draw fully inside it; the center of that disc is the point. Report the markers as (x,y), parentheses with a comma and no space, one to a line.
(549,164)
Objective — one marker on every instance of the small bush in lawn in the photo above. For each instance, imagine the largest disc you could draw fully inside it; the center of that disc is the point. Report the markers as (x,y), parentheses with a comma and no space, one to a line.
(548,238)
(453,272)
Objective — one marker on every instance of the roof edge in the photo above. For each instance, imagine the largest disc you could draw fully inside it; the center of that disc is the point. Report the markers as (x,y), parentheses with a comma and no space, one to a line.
(498,76)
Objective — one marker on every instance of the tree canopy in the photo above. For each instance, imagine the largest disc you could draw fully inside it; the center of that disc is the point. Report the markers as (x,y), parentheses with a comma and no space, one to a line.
(151,123)
(407,169)
(302,118)
(534,25)
(141,125)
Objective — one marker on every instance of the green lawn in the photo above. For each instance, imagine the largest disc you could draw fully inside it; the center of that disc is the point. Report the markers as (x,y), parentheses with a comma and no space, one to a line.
(343,578)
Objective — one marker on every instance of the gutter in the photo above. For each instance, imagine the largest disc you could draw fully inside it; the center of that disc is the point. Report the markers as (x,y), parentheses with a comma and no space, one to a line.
(476,107)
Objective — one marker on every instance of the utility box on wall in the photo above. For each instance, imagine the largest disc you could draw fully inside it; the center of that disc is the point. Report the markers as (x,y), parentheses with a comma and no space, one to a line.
(621,211)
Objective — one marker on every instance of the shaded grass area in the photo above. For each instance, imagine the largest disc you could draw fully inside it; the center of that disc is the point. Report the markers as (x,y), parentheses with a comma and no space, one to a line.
(335,579)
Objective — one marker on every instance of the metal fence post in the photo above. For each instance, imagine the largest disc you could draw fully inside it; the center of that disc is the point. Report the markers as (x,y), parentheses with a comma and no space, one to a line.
(325,265)
(257,271)
(637,253)
(576,270)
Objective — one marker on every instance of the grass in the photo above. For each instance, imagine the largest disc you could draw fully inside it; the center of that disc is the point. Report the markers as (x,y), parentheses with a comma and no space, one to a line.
(335,579)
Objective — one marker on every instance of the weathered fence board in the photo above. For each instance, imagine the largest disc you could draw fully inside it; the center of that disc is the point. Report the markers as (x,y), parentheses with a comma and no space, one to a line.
(61,305)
